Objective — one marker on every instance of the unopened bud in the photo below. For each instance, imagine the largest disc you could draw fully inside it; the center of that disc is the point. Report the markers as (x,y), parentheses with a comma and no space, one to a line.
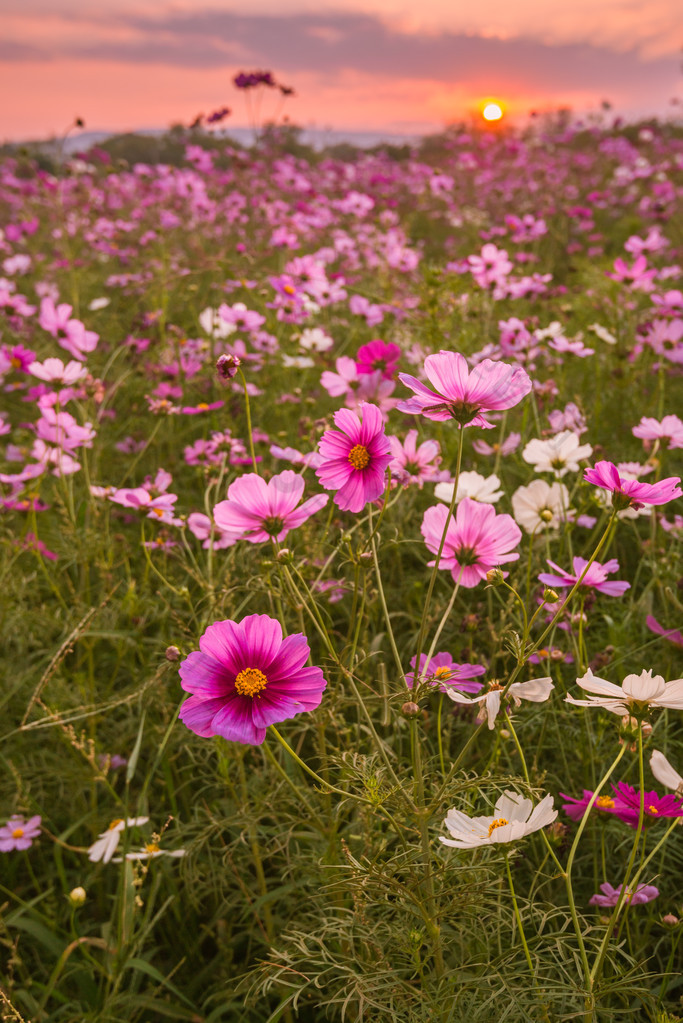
(410,710)
(670,920)
(227,366)
(172,653)
(646,729)
(285,555)
(494,576)
(550,596)
(546,515)
(77,896)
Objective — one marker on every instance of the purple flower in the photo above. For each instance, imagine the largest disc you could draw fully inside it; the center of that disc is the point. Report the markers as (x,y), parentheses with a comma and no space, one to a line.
(256,510)
(595,577)
(610,896)
(632,493)
(246,677)
(463,395)
(355,457)
(674,636)
(19,833)
(627,805)
(378,355)
(477,539)
(444,672)
(576,808)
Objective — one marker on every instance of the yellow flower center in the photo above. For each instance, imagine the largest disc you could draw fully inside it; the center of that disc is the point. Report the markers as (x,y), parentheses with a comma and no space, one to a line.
(250,682)
(202,405)
(289,290)
(114,824)
(499,822)
(359,456)
(604,802)
(442,673)
(159,512)
(152,847)
(652,809)
(15,362)
(18,833)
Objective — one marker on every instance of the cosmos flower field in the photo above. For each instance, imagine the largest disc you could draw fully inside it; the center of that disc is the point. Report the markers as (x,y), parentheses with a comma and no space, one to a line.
(342,589)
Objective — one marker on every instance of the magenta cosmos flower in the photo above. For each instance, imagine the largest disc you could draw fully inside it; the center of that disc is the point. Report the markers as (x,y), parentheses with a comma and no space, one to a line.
(256,510)
(627,805)
(477,539)
(632,493)
(355,457)
(595,578)
(246,677)
(463,395)
(19,833)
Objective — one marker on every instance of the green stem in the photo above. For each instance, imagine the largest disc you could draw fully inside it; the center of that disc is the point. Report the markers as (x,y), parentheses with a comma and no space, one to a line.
(247,408)
(570,864)
(312,773)
(435,569)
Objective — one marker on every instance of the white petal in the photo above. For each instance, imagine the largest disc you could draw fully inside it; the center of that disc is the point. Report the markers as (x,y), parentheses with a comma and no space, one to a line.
(645,687)
(600,686)
(663,771)
(536,689)
(513,806)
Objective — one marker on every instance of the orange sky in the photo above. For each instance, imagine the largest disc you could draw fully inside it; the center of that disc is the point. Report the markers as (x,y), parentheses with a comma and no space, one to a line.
(355,64)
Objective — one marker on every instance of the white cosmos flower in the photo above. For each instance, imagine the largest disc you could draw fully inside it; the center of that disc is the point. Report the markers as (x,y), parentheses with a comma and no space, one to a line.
(665,774)
(314,339)
(603,333)
(645,689)
(213,324)
(105,846)
(513,818)
(99,303)
(151,851)
(559,454)
(541,505)
(473,485)
(537,690)
(297,362)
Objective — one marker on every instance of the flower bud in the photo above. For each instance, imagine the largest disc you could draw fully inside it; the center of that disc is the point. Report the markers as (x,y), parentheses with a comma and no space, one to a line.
(546,515)
(494,576)
(172,653)
(227,366)
(550,596)
(670,920)
(410,710)
(285,555)
(77,896)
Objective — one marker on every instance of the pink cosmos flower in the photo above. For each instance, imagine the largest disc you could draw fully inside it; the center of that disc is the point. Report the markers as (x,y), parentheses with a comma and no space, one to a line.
(595,578)
(632,493)
(673,635)
(378,355)
(54,371)
(463,395)
(355,457)
(510,444)
(413,464)
(477,539)
(610,896)
(444,672)
(203,406)
(258,511)
(19,833)
(670,428)
(245,677)
(203,528)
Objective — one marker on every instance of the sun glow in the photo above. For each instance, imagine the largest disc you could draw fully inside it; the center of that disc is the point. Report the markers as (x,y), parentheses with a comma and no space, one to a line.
(492,112)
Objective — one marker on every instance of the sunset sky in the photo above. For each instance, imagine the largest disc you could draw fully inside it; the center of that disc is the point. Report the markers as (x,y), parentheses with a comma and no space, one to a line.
(381,65)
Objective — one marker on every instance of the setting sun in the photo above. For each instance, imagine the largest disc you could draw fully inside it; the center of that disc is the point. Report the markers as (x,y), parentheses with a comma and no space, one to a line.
(492,112)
